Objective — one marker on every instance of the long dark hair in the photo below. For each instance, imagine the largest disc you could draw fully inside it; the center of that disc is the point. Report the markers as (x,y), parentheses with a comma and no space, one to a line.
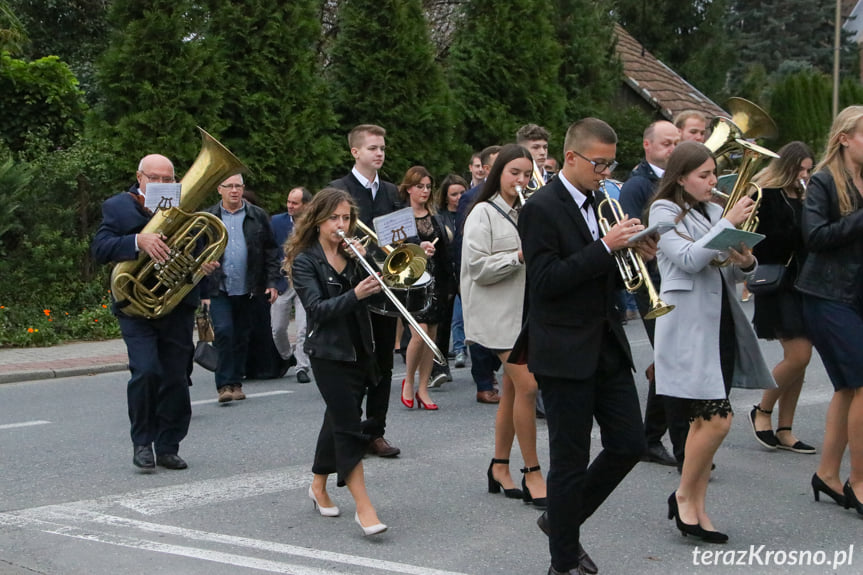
(686,158)
(307,226)
(446,184)
(491,186)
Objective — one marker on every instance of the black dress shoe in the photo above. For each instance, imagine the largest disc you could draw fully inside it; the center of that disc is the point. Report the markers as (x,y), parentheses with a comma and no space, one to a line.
(170,461)
(585,562)
(143,457)
(382,448)
(302,376)
(656,453)
(286,364)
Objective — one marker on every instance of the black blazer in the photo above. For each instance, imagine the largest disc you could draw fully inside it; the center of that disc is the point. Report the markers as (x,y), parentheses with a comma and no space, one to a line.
(328,306)
(571,282)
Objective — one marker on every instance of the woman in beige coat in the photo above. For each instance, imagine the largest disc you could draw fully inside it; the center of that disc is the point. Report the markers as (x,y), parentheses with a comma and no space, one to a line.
(492,291)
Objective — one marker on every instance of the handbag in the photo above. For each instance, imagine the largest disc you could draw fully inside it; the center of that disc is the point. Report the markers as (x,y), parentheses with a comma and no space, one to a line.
(206,355)
(767,278)
(205,326)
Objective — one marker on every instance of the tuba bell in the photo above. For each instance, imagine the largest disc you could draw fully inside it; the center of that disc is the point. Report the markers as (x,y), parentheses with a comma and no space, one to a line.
(144,288)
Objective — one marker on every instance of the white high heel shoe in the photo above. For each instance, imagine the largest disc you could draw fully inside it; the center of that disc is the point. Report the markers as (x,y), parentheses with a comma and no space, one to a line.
(325,511)
(371,530)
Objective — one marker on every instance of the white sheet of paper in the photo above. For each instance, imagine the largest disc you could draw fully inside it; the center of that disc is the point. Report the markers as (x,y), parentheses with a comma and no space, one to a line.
(162,196)
(396,226)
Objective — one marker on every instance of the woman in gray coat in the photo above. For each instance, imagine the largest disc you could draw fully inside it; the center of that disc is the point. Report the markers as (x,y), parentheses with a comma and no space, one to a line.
(706,345)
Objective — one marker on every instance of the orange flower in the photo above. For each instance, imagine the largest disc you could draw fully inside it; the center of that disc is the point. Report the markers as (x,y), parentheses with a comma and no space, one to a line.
(47,312)
(96,320)
(29,330)
(2,307)
(104,306)
(49,319)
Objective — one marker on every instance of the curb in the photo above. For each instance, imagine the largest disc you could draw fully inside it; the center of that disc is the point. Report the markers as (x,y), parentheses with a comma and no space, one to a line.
(37,374)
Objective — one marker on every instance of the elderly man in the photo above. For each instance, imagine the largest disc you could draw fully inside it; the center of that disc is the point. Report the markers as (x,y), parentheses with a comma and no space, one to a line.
(249,269)
(160,350)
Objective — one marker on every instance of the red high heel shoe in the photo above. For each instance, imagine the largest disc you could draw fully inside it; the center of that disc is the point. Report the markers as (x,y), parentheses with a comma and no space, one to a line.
(409,403)
(422,404)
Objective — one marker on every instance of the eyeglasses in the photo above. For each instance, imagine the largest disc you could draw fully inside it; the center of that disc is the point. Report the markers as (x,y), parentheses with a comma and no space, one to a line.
(159,179)
(598,167)
(232,186)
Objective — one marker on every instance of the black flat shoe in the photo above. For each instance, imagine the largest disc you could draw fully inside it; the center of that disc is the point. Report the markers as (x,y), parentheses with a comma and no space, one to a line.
(494,486)
(766,438)
(143,458)
(851,499)
(819,485)
(798,447)
(539,502)
(170,461)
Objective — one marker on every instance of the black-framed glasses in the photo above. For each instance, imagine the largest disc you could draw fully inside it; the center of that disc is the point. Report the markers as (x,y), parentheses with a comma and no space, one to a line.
(159,179)
(598,167)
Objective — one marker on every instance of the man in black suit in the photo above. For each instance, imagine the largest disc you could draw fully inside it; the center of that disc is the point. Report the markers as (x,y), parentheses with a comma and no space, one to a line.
(574,342)
(160,350)
(374,197)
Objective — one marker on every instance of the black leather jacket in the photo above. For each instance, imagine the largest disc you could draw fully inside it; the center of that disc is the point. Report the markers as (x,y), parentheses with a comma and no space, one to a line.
(835,243)
(328,305)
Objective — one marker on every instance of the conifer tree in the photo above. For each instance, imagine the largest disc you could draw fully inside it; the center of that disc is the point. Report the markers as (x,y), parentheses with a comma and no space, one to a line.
(383,72)
(275,108)
(504,67)
(159,79)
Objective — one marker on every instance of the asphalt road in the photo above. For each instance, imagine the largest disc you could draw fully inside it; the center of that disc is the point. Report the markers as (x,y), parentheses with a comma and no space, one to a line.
(71,503)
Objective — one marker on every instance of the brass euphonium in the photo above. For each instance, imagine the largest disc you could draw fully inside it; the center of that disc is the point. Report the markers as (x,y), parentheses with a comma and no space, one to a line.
(144,288)
(629,263)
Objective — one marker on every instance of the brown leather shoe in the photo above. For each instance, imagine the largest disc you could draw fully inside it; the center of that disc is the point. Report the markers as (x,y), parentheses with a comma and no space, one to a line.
(487,397)
(238,393)
(225,394)
(382,448)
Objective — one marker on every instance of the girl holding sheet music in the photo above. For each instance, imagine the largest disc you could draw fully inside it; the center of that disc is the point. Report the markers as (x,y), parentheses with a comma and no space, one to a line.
(706,345)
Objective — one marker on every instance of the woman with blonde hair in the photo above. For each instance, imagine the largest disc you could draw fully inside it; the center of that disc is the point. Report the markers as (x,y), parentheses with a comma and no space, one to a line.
(779,313)
(832,288)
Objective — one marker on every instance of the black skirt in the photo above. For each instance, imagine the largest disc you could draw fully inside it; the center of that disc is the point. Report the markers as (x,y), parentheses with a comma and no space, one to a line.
(779,315)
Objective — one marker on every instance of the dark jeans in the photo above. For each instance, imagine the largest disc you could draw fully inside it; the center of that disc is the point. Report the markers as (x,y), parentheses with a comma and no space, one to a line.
(231,316)
(378,396)
(575,490)
(160,354)
(483,364)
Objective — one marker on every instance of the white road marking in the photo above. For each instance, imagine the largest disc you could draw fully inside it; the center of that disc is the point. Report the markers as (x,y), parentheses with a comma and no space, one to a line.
(248,395)
(24,424)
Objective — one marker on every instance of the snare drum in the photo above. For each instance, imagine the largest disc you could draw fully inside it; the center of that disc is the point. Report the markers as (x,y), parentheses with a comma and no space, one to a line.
(416,298)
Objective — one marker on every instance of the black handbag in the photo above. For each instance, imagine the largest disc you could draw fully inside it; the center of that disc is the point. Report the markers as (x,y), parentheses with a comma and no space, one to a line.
(206,355)
(767,278)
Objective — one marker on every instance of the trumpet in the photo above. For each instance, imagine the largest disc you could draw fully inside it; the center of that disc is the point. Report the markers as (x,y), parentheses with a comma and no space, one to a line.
(439,357)
(535,183)
(630,265)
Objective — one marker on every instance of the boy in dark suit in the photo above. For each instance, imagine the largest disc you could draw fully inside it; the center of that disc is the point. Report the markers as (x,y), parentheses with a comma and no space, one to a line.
(574,341)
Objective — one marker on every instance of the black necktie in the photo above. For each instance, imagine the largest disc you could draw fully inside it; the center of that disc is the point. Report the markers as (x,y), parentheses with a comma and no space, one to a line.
(588,201)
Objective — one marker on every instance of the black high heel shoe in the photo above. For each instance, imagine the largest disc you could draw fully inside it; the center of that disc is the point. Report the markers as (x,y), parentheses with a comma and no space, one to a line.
(851,499)
(819,485)
(494,486)
(692,529)
(539,502)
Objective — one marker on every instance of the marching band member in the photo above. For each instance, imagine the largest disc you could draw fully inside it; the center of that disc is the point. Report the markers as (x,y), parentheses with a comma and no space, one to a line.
(492,285)
(832,287)
(334,290)
(574,340)
(721,350)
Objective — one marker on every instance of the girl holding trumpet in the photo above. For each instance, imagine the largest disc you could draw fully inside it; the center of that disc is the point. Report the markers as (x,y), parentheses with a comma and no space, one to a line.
(708,322)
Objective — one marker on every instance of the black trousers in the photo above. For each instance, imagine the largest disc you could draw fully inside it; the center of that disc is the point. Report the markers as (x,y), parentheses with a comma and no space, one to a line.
(342,441)
(378,396)
(160,360)
(576,490)
(662,413)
